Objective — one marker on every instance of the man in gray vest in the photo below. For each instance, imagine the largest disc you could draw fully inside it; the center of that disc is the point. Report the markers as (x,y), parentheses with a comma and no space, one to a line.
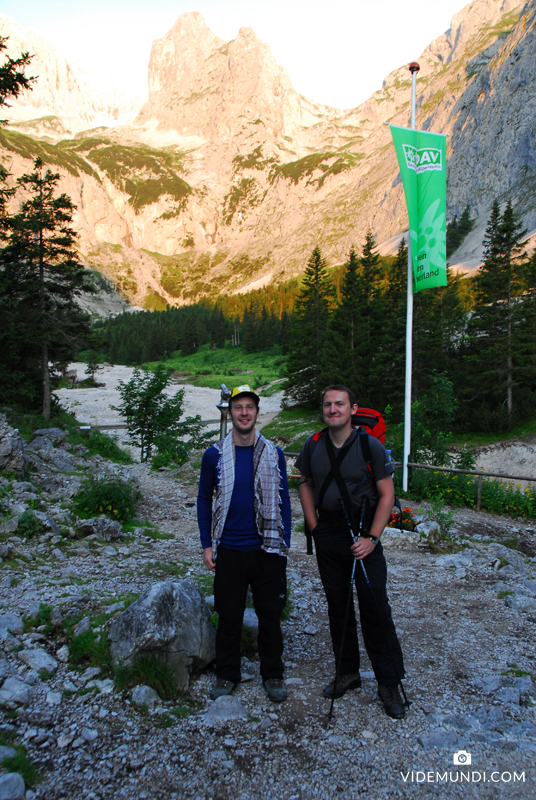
(369,489)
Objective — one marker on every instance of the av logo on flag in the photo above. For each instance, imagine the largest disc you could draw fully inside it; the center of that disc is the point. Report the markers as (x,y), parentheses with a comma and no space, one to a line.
(422,160)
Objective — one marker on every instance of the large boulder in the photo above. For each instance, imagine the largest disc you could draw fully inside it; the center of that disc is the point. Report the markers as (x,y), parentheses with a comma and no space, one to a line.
(11,448)
(101,527)
(170,621)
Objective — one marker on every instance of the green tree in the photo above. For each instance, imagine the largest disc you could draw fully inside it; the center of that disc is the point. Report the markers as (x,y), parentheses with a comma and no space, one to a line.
(392,349)
(42,277)
(304,368)
(151,415)
(341,353)
(494,331)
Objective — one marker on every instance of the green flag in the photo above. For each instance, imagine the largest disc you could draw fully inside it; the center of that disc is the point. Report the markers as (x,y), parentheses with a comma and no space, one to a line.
(422,158)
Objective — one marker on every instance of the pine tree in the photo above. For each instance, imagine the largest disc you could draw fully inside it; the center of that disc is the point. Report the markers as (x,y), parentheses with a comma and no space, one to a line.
(392,349)
(304,368)
(341,355)
(494,328)
(42,276)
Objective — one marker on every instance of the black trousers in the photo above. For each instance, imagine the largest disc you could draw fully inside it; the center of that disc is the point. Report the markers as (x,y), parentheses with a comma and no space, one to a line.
(266,573)
(333,541)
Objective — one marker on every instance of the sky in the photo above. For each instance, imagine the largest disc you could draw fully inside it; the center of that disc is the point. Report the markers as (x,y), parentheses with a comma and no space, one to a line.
(336,52)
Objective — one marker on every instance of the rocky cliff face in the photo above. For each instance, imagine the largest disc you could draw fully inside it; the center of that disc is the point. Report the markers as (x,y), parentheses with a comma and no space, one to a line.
(60,89)
(228,177)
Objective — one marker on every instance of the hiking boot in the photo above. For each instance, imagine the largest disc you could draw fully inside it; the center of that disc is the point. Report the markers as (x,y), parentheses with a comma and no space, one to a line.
(221,688)
(392,702)
(275,689)
(344,683)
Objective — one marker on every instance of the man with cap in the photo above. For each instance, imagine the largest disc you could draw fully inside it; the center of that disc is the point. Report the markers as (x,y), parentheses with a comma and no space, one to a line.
(243,511)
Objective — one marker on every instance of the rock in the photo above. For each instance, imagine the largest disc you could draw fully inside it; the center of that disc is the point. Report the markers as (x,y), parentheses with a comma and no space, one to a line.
(9,642)
(145,696)
(171,621)
(109,551)
(89,674)
(250,621)
(89,734)
(83,627)
(53,698)
(63,654)
(310,630)
(61,461)
(402,540)
(11,448)
(56,616)
(6,550)
(15,692)
(55,435)
(439,740)
(224,709)
(9,526)
(38,659)
(430,530)
(12,787)
(65,740)
(6,752)
(102,528)
(531,586)
(520,602)
(115,607)
(40,444)
(59,554)
(47,522)
(11,622)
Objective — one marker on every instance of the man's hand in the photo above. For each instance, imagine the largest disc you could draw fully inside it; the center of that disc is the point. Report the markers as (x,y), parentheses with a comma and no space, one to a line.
(362,548)
(208,558)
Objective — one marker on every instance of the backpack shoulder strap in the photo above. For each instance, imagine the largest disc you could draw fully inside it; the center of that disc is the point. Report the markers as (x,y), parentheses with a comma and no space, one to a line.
(365,449)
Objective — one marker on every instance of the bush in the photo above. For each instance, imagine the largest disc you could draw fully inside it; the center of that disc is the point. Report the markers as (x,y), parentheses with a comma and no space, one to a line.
(29,525)
(456,489)
(100,444)
(107,495)
(170,451)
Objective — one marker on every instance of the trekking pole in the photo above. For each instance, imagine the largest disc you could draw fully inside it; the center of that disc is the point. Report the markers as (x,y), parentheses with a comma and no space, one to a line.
(378,609)
(350,593)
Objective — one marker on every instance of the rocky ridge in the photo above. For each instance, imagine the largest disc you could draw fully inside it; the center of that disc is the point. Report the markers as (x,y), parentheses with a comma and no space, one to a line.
(466,620)
(228,177)
(61,89)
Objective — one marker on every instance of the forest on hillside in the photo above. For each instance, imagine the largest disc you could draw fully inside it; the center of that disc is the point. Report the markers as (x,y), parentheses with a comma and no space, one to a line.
(476,335)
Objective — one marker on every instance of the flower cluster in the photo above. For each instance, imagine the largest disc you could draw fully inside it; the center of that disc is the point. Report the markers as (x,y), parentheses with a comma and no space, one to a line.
(405,520)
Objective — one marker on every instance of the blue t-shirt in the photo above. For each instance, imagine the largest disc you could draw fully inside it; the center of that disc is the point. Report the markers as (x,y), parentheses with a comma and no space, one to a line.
(240,529)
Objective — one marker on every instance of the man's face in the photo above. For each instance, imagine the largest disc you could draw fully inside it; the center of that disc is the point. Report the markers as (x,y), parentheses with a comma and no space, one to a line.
(336,409)
(243,413)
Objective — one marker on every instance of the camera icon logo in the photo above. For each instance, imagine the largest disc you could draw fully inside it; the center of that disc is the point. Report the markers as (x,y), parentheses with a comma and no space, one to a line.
(462,757)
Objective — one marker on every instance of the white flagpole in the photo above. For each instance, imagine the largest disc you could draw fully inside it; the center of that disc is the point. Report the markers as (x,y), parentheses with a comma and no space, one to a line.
(413,68)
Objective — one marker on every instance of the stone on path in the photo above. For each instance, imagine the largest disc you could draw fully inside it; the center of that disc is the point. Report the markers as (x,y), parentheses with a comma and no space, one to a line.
(15,692)
(6,752)
(224,709)
(171,622)
(102,528)
(401,540)
(145,696)
(11,622)
(38,659)
(12,787)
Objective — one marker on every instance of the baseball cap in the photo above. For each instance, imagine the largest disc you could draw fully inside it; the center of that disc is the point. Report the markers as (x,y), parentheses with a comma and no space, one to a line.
(244,389)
